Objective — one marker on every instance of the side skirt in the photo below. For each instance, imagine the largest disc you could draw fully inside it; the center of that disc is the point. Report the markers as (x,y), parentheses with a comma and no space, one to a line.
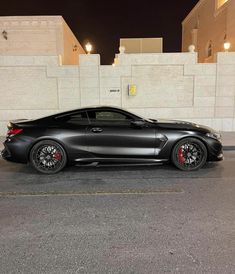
(119,161)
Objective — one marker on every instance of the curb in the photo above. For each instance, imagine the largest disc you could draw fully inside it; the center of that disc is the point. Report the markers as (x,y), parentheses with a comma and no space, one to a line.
(228,148)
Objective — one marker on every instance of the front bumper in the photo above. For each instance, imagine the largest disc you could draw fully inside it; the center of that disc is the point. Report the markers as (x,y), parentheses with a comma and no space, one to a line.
(215,150)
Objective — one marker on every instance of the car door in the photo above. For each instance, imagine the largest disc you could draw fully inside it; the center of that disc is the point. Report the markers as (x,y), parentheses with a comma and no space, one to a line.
(72,130)
(112,134)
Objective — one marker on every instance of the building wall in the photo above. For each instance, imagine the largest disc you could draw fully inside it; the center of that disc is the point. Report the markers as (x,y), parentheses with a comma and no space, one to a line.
(142,45)
(72,47)
(28,36)
(207,24)
(169,85)
(38,36)
(231,23)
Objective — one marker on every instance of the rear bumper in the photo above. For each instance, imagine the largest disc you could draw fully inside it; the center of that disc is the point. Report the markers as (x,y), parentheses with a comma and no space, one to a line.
(6,155)
(14,151)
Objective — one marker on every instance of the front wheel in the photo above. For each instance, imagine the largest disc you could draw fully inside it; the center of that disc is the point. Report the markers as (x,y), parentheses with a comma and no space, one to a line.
(189,154)
(48,157)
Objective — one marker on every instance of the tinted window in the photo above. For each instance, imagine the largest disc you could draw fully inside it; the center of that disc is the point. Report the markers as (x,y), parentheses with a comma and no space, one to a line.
(74,119)
(108,116)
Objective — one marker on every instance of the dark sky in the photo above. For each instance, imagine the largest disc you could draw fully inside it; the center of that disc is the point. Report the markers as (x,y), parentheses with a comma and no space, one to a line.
(103,23)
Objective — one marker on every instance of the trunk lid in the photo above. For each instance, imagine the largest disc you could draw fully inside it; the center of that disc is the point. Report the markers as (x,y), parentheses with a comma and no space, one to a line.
(18,123)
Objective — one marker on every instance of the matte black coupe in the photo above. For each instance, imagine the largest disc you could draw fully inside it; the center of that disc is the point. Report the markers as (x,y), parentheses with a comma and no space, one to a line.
(109,135)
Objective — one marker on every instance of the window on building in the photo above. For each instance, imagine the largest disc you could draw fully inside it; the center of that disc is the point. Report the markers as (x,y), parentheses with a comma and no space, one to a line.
(220,3)
(194,35)
(209,49)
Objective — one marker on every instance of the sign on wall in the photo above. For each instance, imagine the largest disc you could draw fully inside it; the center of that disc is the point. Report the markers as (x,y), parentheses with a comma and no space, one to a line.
(132,90)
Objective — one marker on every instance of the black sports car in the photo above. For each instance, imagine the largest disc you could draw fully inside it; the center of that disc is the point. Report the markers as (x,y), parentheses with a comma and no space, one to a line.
(109,135)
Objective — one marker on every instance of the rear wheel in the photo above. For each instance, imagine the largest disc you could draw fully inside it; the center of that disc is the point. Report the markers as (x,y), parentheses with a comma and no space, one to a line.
(48,157)
(189,154)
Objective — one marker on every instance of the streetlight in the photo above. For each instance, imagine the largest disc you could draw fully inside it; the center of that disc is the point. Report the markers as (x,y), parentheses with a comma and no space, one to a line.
(227,46)
(88,47)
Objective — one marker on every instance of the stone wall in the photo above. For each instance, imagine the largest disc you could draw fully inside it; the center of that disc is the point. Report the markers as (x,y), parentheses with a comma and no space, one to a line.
(37,36)
(169,85)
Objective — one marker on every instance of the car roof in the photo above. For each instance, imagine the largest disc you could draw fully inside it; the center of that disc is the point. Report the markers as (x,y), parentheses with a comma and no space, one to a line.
(64,113)
(91,108)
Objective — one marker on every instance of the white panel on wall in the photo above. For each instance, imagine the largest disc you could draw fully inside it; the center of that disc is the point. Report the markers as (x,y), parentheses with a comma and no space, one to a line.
(27,88)
(159,86)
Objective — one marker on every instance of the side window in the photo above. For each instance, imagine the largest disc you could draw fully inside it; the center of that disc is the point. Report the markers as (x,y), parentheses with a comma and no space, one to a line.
(74,119)
(107,117)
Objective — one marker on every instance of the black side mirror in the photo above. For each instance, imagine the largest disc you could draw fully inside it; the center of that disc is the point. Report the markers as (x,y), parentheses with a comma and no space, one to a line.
(138,123)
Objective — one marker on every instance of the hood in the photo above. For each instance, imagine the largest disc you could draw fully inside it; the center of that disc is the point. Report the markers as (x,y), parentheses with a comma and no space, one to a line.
(175,124)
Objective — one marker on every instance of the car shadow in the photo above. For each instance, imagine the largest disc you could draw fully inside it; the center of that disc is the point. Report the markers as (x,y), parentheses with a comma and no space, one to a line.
(19,171)
(23,178)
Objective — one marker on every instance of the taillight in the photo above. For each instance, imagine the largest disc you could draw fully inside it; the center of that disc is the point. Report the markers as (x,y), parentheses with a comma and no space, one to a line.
(14,131)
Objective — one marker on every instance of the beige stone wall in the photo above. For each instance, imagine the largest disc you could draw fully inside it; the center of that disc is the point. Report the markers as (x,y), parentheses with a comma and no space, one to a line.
(169,85)
(211,24)
(38,36)
(231,23)
(29,35)
(72,47)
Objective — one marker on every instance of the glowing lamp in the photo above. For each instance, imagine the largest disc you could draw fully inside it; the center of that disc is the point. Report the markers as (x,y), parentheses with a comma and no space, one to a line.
(227,46)
(88,48)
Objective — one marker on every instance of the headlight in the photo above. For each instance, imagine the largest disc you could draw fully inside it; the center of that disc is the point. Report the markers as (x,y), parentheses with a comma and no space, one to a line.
(214,135)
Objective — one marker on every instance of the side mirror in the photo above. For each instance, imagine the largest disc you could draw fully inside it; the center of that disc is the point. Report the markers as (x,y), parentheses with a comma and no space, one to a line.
(138,123)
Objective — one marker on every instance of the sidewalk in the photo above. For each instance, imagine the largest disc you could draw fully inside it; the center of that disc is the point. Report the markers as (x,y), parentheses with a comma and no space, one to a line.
(228,140)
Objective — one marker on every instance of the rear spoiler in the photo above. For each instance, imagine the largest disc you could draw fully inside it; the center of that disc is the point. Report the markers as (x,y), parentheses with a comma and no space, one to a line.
(16,123)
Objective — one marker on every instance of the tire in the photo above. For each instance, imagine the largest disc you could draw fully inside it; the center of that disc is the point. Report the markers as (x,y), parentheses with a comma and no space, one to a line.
(48,157)
(189,154)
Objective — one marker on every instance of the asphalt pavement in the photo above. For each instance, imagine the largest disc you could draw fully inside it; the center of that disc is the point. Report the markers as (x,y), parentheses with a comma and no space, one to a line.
(144,219)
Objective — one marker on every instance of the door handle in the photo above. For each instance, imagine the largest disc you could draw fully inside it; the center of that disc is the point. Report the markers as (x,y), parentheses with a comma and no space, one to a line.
(96,129)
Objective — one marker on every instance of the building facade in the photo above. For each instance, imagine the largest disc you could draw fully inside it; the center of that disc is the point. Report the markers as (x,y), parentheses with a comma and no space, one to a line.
(39,36)
(208,26)
(142,45)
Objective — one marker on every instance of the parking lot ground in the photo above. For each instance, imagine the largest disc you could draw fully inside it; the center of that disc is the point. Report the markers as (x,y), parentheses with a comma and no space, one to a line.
(144,219)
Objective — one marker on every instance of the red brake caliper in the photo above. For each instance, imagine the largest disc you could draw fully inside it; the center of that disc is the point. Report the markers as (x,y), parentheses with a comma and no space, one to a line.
(181,156)
(57,156)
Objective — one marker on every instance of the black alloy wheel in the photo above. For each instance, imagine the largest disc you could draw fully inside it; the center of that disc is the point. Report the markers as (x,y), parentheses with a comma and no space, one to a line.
(189,154)
(48,157)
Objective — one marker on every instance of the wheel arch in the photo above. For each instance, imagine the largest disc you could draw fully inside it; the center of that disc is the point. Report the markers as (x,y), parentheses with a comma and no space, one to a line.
(49,138)
(186,137)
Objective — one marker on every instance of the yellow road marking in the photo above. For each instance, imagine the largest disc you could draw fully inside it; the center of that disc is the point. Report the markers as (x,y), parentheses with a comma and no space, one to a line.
(98,193)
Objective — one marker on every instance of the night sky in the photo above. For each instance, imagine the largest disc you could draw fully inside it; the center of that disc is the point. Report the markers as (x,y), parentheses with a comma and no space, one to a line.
(103,23)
